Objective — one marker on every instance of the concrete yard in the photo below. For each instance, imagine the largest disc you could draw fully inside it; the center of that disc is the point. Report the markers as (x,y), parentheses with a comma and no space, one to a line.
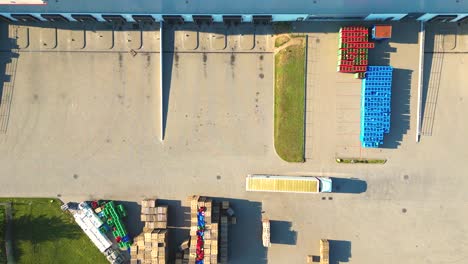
(80,119)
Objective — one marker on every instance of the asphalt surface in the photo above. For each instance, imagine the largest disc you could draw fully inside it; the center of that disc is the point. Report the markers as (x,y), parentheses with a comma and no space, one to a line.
(83,123)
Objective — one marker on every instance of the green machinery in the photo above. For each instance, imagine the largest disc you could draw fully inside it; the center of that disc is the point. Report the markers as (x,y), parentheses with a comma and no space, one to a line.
(113,217)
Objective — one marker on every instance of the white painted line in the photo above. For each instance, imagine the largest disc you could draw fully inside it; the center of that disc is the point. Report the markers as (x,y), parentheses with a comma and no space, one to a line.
(420,80)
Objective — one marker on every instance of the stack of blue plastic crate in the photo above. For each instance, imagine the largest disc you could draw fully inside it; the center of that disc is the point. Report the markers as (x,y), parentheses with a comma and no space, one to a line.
(375,105)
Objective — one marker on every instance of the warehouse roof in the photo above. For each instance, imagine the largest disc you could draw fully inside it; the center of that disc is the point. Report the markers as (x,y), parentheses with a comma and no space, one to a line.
(317,7)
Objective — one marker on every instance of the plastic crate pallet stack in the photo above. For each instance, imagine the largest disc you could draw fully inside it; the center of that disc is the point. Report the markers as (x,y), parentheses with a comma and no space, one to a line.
(375,105)
(204,228)
(208,242)
(150,247)
(353,50)
(114,219)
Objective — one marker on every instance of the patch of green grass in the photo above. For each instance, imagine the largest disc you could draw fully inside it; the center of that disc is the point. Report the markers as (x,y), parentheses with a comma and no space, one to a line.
(44,234)
(289,102)
(282,27)
(281,40)
(361,161)
(2,235)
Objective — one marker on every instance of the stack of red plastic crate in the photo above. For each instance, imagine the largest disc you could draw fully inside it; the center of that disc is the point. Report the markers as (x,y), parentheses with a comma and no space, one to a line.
(353,49)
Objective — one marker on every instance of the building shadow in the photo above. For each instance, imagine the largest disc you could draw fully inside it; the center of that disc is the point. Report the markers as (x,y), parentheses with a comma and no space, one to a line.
(351,185)
(340,251)
(400,108)
(380,55)
(170,59)
(282,233)
(405,32)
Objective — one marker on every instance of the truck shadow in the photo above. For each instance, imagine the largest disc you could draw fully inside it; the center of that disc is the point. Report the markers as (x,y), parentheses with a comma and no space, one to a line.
(351,185)
(340,251)
(281,233)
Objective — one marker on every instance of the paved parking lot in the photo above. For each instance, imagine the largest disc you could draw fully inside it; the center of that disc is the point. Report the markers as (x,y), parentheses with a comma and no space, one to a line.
(333,98)
(85,125)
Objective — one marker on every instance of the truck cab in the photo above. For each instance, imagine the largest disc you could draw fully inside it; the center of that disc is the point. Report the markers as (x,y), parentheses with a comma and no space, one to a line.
(325,184)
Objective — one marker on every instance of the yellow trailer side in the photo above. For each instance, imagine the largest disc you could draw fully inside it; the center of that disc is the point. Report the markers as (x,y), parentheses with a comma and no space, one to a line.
(271,183)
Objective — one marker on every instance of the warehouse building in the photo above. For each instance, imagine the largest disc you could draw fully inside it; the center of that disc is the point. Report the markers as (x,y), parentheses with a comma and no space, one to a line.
(260,11)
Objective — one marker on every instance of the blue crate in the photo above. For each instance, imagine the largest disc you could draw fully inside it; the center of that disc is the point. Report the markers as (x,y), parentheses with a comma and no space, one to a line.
(381,83)
(374,88)
(378,79)
(375,105)
(377,110)
(379,74)
(378,84)
(370,144)
(379,68)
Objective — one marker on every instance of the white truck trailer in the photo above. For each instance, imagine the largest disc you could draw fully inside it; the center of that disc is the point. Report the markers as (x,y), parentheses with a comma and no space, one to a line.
(292,184)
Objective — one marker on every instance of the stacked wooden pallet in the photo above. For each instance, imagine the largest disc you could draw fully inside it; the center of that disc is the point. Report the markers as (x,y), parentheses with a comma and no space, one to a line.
(150,247)
(266,232)
(153,216)
(204,228)
(208,243)
(324,251)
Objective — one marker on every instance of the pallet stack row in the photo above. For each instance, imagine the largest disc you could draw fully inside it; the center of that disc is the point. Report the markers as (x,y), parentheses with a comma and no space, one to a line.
(353,49)
(375,105)
(324,251)
(208,242)
(150,247)
(204,231)
(223,241)
(153,216)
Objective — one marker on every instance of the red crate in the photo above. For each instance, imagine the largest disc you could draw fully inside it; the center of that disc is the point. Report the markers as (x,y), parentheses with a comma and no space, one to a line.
(355,40)
(354,29)
(350,69)
(359,68)
(346,62)
(352,34)
(352,51)
(347,57)
(363,51)
(346,68)
(361,63)
(362,45)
